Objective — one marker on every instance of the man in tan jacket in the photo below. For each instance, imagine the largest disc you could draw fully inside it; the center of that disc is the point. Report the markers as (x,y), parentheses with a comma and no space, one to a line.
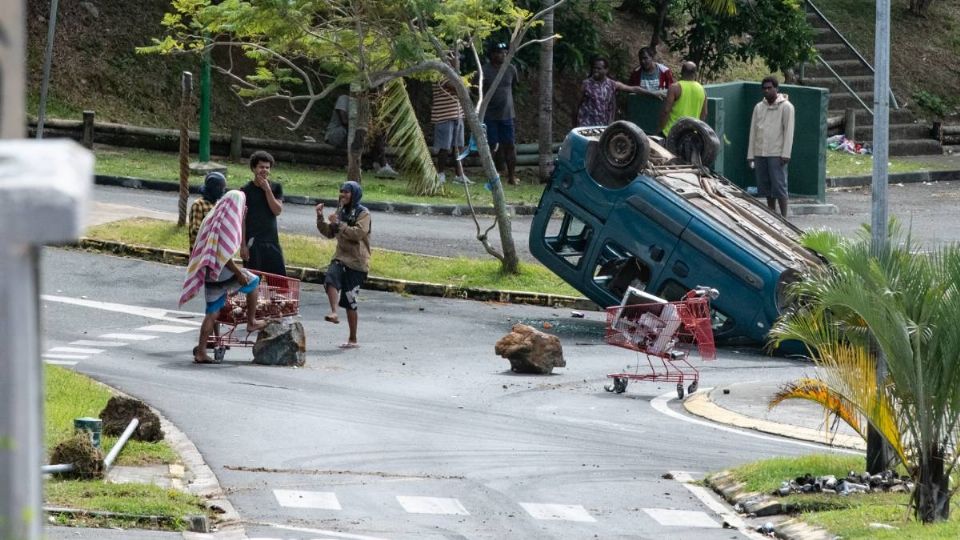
(771,142)
(350,225)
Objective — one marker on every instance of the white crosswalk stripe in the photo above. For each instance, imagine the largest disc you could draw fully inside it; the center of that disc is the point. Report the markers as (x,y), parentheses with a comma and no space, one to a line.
(167,329)
(562,512)
(97,343)
(60,362)
(290,498)
(681,518)
(128,337)
(75,350)
(66,356)
(431,505)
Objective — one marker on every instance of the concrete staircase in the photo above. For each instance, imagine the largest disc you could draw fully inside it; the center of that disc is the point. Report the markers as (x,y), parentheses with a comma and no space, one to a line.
(907,137)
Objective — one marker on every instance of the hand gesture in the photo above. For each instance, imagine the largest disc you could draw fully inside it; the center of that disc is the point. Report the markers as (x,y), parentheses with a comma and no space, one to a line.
(334,218)
(319,209)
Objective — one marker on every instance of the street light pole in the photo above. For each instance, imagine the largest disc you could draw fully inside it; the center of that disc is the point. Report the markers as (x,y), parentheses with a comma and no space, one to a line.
(878,455)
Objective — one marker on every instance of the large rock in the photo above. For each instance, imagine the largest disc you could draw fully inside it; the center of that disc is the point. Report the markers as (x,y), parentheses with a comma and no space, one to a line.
(120,410)
(281,344)
(530,350)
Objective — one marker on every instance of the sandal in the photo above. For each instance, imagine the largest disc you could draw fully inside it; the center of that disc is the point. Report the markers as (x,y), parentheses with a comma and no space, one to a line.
(332,319)
(349,345)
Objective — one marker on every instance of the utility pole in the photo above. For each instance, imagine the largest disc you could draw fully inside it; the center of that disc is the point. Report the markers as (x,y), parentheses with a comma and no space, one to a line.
(878,454)
(204,149)
(47,60)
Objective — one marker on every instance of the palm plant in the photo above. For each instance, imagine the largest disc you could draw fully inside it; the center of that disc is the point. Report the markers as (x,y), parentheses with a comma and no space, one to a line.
(396,113)
(905,305)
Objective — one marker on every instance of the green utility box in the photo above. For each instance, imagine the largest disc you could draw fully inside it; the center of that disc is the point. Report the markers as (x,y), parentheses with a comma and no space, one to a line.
(729,109)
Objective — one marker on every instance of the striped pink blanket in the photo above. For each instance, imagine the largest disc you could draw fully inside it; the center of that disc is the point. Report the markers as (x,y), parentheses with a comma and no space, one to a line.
(218,241)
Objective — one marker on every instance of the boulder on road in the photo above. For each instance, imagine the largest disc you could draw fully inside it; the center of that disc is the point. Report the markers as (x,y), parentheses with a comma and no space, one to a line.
(530,350)
(281,344)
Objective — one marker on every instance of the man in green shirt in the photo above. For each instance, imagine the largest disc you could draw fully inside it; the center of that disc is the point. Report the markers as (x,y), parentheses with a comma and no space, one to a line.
(685,97)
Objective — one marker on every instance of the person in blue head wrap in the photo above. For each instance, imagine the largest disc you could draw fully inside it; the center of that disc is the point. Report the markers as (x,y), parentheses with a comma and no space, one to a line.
(214,186)
(350,226)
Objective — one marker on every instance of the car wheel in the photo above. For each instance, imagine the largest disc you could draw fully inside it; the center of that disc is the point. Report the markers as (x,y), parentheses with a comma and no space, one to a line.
(690,137)
(624,150)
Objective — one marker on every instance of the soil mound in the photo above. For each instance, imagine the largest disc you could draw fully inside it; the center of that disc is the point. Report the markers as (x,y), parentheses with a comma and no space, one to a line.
(120,410)
(79,450)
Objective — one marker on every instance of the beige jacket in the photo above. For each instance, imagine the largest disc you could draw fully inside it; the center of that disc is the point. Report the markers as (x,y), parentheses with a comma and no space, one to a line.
(353,241)
(771,129)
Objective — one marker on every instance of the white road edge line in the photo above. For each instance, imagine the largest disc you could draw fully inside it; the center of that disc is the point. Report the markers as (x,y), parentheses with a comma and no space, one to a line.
(150,313)
(67,363)
(659,404)
(710,501)
(334,534)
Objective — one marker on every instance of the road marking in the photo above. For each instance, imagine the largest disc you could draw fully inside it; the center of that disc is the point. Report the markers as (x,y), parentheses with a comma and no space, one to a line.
(128,337)
(564,512)
(75,350)
(682,518)
(431,505)
(166,328)
(150,313)
(96,343)
(66,356)
(291,498)
(659,404)
(331,534)
(710,501)
(60,362)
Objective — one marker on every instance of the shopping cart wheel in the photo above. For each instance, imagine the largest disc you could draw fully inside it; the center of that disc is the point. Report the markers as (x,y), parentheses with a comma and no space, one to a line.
(219,353)
(680,390)
(619,385)
(693,387)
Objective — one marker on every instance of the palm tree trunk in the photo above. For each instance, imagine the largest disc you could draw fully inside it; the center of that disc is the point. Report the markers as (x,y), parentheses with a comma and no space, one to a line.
(931,497)
(546,96)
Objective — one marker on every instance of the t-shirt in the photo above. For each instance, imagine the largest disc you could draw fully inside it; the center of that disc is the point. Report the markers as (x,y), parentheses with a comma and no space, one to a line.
(342,104)
(659,79)
(260,222)
(446,106)
(599,102)
(501,103)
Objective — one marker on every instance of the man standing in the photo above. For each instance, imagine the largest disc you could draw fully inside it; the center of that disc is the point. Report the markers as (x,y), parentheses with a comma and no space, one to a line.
(446,114)
(261,243)
(499,115)
(598,96)
(337,133)
(771,142)
(350,225)
(685,97)
(652,76)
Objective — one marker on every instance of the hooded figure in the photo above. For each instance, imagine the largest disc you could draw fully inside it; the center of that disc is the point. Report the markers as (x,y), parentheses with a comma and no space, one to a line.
(214,185)
(350,226)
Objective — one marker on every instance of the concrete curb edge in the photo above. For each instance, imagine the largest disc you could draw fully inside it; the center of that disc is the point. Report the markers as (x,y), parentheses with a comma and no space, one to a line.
(313,275)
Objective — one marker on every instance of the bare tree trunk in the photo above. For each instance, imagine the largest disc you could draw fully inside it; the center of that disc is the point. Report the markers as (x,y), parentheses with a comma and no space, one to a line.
(186,90)
(662,8)
(546,96)
(356,131)
(931,497)
(919,7)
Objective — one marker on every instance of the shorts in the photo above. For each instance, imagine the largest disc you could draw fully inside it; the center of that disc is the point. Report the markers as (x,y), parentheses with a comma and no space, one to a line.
(771,177)
(448,135)
(347,281)
(215,292)
(336,137)
(500,131)
(267,257)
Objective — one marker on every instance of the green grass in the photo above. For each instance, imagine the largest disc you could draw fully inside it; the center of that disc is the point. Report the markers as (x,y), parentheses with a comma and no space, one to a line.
(313,252)
(70,395)
(134,499)
(850,516)
(304,180)
(841,164)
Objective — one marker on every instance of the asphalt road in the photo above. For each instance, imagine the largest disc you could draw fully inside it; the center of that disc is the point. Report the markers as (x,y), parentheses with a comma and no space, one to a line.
(422,432)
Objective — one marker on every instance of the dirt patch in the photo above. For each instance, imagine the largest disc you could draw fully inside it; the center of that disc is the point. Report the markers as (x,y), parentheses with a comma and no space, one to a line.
(119,411)
(87,459)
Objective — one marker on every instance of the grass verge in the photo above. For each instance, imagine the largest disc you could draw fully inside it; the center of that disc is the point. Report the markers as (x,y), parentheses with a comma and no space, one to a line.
(840,164)
(70,395)
(303,180)
(316,251)
(848,517)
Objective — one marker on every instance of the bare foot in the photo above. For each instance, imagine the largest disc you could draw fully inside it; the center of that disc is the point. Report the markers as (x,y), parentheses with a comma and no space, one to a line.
(256,325)
(332,318)
(203,359)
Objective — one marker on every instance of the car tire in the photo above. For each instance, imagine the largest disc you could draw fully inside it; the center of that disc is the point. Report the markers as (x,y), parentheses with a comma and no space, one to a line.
(624,151)
(689,136)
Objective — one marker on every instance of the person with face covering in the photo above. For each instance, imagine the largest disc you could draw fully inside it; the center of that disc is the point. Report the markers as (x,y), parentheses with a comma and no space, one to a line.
(211,268)
(350,226)
(214,186)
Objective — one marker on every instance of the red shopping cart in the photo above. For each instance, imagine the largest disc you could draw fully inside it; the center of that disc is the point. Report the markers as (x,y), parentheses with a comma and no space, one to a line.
(278,297)
(666,333)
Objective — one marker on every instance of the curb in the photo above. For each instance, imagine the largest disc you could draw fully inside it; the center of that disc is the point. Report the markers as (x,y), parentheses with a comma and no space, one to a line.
(896,178)
(391,207)
(374,283)
(701,405)
(810,209)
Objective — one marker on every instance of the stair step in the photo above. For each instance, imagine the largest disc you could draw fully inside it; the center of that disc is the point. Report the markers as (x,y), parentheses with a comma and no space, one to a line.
(844,68)
(896,132)
(825,35)
(843,100)
(901,116)
(832,52)
(915,147)
(860,83)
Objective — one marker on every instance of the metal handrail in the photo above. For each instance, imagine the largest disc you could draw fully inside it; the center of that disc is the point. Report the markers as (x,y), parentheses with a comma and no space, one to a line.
(844,83)
(893,98)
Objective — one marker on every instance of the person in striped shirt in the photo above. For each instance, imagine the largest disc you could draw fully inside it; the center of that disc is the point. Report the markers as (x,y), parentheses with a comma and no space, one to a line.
(446,114)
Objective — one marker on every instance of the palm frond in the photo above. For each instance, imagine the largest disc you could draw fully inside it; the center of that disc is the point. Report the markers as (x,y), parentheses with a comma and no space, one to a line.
(817,391)
(404,134)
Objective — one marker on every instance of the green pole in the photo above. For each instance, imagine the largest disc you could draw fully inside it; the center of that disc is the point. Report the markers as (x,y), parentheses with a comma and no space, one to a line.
(205,108)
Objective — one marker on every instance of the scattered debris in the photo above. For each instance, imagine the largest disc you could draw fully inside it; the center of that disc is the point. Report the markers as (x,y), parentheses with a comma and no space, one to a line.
(576,314)
(667,476)
(853,483)
(281,344)
(121,410)
(530,351)
(79,450)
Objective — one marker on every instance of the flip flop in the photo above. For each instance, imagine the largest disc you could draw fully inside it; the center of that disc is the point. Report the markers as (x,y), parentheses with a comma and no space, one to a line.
(332,319)
(349,345)
(207,360)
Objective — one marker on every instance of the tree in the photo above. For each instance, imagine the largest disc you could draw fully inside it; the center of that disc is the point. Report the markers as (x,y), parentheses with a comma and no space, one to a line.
(545,118)
(305,49)
(919,7)
(910,316)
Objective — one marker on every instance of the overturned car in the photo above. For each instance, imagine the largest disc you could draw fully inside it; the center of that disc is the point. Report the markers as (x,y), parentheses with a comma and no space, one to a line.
(626,210)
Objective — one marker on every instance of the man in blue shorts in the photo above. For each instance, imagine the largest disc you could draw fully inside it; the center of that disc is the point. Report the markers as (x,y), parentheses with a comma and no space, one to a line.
(500,115)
